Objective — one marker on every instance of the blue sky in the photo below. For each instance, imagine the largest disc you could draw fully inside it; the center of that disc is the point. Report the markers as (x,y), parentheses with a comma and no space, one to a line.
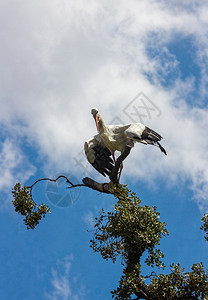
(137,61)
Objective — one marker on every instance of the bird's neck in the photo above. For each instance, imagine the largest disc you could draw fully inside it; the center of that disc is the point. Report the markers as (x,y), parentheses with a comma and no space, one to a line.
(101,126)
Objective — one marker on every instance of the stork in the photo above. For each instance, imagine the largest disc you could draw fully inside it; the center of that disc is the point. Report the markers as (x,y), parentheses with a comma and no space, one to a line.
(111,138)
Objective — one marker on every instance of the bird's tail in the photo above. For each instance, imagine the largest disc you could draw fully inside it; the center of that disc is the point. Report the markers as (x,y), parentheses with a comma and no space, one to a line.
(161,148)
(150,136)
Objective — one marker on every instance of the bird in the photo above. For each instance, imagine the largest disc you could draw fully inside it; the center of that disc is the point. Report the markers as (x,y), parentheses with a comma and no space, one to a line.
(98,155)
(100,150)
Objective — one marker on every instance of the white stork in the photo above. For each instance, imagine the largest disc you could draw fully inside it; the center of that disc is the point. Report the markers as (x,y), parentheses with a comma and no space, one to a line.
(111,138)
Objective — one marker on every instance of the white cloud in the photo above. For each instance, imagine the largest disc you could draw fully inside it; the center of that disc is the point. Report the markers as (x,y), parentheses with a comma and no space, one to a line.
(14,166)
(58,59)
(64,285)
(89,219)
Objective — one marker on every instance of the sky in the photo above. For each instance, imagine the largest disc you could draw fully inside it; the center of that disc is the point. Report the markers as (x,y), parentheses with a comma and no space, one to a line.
(136,61)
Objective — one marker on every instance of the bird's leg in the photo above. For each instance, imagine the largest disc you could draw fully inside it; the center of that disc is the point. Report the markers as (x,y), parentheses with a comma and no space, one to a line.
(120,169)
(114,159)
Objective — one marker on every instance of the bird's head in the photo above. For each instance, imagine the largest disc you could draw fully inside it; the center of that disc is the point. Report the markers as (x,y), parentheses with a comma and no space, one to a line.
(96,116)
(94,111)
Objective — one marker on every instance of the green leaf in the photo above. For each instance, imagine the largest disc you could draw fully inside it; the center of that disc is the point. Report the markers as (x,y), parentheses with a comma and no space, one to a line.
(24,204)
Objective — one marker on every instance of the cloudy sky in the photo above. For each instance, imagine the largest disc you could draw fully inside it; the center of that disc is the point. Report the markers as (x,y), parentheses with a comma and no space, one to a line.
(137,61)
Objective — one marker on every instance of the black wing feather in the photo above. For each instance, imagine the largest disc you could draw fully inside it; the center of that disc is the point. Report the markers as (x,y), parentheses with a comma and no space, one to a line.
(152,137)
(102,162)
(99,155)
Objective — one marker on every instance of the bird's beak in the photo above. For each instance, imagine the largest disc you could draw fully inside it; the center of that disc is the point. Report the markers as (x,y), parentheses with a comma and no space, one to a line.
(96,121)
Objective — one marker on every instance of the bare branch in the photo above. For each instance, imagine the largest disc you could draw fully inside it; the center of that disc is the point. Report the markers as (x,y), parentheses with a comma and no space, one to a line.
(114,173)
(107,188)
(54,180)
(88,182)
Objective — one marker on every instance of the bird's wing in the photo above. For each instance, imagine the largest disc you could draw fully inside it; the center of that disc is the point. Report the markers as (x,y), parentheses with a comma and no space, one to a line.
(134,131)
(98,155)
(141,133)
(117,128)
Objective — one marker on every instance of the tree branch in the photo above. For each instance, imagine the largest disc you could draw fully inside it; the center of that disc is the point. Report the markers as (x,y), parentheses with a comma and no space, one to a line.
(114,173)
(107,188)
(143,293)
(54,180)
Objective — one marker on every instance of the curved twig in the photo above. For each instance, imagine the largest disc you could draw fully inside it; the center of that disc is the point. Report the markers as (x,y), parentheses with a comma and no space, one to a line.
(107,188)
(54,180)
(149,276)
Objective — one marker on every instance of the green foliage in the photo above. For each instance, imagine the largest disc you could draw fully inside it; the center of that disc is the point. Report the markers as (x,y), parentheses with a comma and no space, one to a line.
(129,231)
(205,226)
(179,285)
(25,205)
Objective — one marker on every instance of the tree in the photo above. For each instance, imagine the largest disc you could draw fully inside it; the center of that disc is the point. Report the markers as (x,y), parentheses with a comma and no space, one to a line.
(131,232)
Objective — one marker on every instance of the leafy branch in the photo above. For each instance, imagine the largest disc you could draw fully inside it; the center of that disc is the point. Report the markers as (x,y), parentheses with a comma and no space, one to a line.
(181,285)
(205,226)
(26,206)
(129,232)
